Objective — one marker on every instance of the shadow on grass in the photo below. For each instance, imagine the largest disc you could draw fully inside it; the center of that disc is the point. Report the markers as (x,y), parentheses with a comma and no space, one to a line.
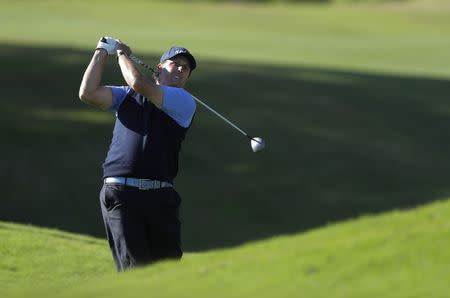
(339,144)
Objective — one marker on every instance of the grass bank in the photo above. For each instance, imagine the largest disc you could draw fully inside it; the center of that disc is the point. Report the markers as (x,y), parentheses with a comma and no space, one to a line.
(397,254)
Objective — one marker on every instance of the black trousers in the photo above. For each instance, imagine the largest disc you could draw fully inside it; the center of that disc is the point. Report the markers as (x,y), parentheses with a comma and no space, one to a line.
(142,226)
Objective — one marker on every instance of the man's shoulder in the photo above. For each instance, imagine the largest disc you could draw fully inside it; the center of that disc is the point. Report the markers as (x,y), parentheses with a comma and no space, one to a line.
(179,90)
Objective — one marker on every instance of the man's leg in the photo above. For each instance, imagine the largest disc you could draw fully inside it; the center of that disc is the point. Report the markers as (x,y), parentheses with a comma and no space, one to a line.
(124,225)
(165,242)
(164,227)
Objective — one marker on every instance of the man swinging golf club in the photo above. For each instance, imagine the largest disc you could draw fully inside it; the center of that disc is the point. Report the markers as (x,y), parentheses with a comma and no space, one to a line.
(138,200)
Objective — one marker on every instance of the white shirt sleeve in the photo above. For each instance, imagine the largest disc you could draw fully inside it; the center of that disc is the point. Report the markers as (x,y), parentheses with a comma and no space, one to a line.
(178,104)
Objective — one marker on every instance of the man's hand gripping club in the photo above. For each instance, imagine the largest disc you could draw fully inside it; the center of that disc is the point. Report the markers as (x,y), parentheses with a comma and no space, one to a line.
(108,44)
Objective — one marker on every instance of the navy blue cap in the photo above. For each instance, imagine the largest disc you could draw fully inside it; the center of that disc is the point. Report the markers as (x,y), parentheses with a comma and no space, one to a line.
(175,51)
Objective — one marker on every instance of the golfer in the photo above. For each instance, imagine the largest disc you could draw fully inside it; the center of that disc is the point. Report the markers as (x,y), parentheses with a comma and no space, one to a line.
(139,204)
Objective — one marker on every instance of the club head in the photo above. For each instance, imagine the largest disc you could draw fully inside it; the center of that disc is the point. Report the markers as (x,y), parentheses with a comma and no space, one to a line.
(257,144)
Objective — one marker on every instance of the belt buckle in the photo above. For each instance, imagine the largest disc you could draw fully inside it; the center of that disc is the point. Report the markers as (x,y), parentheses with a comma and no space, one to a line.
(146,184)
(141,184)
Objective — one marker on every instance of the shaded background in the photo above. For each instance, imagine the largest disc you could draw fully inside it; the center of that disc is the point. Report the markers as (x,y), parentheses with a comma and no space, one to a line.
(340,142)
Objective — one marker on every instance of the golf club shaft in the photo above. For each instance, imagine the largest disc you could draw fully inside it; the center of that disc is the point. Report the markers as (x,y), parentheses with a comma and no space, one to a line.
(139,61)
(222,117)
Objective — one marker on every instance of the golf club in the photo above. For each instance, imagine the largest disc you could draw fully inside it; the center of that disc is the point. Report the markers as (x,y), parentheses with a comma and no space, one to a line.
(256,143)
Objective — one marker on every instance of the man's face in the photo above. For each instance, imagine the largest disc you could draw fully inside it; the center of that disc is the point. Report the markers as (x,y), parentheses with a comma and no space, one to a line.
(174,72)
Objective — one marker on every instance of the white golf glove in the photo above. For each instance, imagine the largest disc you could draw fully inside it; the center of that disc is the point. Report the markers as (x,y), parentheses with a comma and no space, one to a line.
(109,44)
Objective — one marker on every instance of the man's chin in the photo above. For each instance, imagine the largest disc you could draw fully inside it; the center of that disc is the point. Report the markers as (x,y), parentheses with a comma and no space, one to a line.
(175,84)
(172,83)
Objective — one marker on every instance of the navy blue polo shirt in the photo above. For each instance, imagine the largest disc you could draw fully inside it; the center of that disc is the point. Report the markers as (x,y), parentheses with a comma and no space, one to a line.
(146,139)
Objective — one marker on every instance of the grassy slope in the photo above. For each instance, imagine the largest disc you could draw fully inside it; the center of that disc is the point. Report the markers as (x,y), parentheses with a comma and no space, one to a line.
(397,254)
(34,257)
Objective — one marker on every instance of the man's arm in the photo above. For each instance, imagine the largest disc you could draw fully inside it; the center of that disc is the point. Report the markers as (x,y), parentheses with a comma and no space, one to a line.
(136,80)
(90,90)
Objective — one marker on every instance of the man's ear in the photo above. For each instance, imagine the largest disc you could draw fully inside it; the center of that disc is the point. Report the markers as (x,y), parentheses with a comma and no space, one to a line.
(158,69)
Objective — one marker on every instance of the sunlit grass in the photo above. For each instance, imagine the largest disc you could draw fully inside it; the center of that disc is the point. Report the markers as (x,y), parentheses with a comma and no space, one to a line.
(357,37)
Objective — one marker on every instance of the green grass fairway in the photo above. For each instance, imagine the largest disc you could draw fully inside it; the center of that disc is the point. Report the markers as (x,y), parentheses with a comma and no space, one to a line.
(397,254)
(376,38)
(351,99)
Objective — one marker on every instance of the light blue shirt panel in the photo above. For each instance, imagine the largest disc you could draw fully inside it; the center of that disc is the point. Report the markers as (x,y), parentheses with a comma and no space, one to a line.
(178,104)
(118,96)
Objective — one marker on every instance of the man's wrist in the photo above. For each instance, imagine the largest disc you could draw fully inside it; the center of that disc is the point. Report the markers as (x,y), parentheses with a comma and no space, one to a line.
(120,53)
(101,50)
